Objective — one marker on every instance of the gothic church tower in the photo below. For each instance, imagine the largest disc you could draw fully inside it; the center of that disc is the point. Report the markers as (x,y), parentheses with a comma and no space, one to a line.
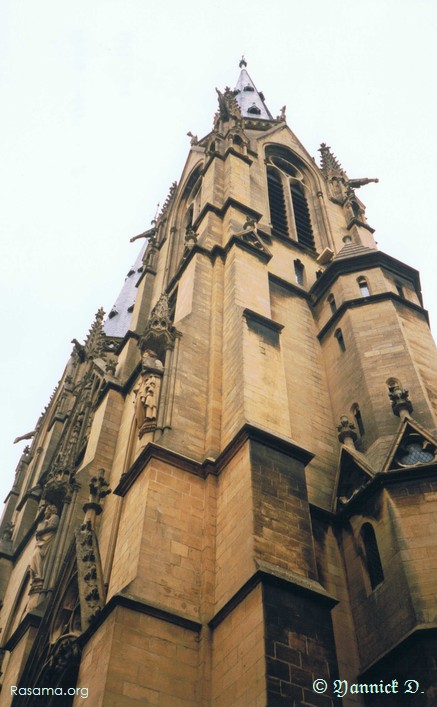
(232,491)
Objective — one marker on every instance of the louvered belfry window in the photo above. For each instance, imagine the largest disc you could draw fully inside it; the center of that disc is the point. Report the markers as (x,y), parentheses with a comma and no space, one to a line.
(289,210)
(278,214)
(302,216)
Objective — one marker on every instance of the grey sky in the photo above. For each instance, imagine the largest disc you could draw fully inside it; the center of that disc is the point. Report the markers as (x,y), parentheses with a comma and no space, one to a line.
(97,98)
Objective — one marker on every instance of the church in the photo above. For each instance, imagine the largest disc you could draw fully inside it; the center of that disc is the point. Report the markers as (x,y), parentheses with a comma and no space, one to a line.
(231,497)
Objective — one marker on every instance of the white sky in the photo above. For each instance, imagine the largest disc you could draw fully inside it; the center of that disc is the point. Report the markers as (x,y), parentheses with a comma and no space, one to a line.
(97,97)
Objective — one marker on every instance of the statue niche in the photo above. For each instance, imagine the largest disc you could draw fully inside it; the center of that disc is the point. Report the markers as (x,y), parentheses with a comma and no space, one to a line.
(147,392)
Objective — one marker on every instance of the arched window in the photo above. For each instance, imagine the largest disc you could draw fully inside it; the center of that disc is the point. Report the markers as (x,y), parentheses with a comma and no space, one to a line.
(332,303)
(358,419)
(339,336)
(373,559)
(299,272)
(364,287)
(289,209)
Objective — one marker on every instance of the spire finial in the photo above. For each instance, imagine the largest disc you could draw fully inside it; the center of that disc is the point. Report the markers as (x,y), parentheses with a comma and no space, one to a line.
(243,62)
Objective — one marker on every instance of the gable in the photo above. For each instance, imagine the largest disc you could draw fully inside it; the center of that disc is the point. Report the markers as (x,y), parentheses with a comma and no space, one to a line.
(353,473)
(412,446)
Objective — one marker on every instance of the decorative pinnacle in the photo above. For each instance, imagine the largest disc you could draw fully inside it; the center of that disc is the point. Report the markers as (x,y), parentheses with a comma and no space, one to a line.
(243,62)
(94,341)
(329,162)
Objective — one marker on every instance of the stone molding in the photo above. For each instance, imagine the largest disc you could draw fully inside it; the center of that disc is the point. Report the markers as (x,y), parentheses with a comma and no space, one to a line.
(208,465)
(269,574)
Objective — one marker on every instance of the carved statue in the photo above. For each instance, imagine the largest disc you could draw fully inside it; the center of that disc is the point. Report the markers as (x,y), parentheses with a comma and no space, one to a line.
(146,403)
(194,139)
(149,360)
(44,535)
(147,392)
(8,530)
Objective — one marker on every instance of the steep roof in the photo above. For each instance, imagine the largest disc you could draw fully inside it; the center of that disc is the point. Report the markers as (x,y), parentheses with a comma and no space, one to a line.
(118,320)
(351,249)
(249,99)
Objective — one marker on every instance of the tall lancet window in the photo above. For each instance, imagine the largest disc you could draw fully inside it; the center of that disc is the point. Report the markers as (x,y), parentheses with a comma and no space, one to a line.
(373,559)
(288,197)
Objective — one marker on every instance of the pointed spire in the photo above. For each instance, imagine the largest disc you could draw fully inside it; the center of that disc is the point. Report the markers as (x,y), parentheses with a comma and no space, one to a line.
(329,162)
(250,100)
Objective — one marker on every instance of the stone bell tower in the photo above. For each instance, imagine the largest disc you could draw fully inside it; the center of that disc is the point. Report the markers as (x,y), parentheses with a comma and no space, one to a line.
(232,492)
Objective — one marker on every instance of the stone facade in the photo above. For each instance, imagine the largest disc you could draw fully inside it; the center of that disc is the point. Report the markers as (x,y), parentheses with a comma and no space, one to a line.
(265,420)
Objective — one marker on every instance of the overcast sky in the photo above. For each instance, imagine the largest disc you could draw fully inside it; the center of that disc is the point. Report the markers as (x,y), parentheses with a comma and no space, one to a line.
(97,97)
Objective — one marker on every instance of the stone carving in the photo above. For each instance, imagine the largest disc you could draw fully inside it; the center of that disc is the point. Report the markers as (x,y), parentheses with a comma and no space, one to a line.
(44,535)
(147,392)
(400,402)
(194,139)
(329,163)
(169,199)
(58,481)
(190,237)
(159,334)
(346,431)
(282,116)
(99,488)
(65,654)
(90,577)
(8,531)
(95,341)
(190,241)
(228,107)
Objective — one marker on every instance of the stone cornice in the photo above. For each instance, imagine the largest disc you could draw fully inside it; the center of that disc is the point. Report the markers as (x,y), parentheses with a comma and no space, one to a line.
(290,286)
(229,151)
(210,465)
(360,263)
(268,574)
(219,251)
(362,302)
(222,210)
(134,603)
(264,321)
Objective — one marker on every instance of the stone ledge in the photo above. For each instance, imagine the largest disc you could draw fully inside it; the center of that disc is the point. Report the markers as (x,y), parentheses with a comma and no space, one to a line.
(272,575)
(210,465)
(265,321)
(129,601)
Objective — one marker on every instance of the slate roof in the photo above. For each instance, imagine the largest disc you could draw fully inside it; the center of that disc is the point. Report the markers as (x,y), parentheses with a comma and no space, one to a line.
(248,97)
(119,318)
